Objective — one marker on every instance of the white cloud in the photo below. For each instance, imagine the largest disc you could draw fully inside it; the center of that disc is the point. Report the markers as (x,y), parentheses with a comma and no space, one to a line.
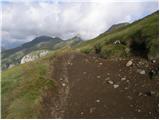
(22,21)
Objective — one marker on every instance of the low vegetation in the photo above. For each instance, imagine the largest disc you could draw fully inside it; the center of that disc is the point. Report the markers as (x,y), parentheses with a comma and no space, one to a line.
(139,39)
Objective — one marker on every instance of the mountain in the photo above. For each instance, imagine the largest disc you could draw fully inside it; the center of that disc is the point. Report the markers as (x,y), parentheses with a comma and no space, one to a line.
(137,39)
(13,56)
(116,26)
(114,75)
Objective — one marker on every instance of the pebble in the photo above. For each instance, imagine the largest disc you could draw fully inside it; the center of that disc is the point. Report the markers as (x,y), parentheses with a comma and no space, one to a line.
(140,94)
(100,63)
(142,72)
(91,110)
(84,72)
(82,113)
(129,63)
(97,101)
(110,82)
(139,110)
(123,79)
(63,84)
(107,78)
(98,76)
(108,73)
(115,86)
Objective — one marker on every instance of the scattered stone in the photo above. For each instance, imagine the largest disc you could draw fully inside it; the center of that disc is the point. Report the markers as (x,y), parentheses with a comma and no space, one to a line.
(63,84)
(107,78)
(123,79)
(110,82)
(140,94)
(117,42)
(98,76)
(108,73)
(127,81)
(153,61)
(139,110)
(61,79)
(129,63)
(142,72)
(100,63)
(82,113)
(97,101)
(84,72)
(115,86)
(92,109)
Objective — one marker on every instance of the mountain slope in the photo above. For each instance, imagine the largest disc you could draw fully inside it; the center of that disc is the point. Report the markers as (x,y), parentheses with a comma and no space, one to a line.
(13,57)
(69,84)
(137,39)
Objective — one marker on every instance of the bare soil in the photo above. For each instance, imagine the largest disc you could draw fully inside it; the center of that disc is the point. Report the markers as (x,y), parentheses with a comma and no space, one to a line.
(91,87)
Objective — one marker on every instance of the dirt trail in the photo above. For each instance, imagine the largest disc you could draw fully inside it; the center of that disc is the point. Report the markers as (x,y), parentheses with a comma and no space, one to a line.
(90,87)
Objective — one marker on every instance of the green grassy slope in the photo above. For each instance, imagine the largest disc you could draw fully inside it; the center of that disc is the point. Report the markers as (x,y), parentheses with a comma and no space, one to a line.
(23,85)
(140,36)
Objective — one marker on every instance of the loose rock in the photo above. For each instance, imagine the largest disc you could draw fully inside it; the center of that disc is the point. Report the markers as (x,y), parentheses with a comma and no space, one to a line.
(98,76)
(129,63)
(123,79)
(97,101)
(110,82)
(115,86)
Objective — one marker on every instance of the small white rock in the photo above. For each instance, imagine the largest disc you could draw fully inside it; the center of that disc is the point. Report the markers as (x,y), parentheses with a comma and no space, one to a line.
(97,101)
(63,84)
(142,72)
(100,63)
(107,78)
(123,79)
(115,86)
(129,63)
(98,76)
(110,82)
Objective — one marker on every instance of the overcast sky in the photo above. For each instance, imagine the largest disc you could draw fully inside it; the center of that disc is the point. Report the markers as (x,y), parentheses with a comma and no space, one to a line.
(22,21)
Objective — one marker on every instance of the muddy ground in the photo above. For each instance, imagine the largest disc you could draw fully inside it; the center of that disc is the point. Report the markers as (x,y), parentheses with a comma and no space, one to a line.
(91,87)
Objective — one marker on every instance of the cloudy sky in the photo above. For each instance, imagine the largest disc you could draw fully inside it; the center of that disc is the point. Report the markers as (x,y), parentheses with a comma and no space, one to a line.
(23,20)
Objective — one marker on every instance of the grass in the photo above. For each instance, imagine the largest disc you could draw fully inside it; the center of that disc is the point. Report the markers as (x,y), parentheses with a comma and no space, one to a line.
(22,87)
(145,30)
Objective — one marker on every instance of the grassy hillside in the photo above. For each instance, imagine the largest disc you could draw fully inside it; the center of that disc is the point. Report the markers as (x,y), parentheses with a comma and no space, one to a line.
(137,39)
(24,85)
(13,56)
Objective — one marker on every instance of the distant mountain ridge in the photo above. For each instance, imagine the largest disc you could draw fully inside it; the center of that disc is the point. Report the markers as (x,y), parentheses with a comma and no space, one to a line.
(117,26)
(14,55)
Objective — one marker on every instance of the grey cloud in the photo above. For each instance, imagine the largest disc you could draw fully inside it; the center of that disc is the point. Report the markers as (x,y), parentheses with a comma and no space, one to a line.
(25,20)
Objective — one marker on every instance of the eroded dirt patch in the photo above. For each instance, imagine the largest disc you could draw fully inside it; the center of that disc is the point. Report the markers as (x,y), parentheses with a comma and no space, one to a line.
(90,87)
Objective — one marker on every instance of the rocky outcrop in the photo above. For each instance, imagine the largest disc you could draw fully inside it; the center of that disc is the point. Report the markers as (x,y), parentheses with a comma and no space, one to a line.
(33,56)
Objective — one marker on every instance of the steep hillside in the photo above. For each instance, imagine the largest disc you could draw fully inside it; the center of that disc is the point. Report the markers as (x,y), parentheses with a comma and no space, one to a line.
(137,39)
(117,26)
(117,77)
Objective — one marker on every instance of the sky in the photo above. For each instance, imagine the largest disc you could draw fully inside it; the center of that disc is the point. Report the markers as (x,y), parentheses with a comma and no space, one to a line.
(23,20)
